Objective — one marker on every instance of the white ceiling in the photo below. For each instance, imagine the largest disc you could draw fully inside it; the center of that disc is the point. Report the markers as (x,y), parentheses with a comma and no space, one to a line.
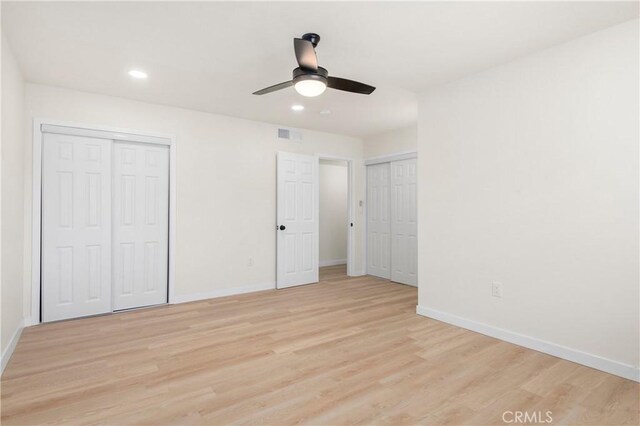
(212,56)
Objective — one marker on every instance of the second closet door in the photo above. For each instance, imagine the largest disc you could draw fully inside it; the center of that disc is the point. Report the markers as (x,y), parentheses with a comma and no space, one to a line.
(404,225)
(378,222)
(140,224)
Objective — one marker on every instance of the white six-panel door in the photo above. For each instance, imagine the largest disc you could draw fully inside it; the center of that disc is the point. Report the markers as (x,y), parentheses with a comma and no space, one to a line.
(105,225)
(297,219)
(76,227)
(378,221)
(140,224)
(404,242)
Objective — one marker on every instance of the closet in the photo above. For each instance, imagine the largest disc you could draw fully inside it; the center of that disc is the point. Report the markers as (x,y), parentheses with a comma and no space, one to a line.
(392,248)
(104,234)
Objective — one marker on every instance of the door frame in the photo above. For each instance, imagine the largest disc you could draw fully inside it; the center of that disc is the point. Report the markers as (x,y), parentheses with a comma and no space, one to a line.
(96,131)
(403,155)
(351,270)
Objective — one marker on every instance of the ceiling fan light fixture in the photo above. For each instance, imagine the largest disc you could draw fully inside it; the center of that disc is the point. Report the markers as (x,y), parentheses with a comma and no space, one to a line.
(311,80)
(310,87)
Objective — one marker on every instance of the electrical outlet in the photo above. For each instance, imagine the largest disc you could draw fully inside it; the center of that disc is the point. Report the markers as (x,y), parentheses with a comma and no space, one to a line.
(250,263)
(496,289)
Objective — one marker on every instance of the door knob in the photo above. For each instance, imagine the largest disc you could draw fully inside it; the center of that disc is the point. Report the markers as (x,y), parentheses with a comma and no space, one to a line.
(282,227)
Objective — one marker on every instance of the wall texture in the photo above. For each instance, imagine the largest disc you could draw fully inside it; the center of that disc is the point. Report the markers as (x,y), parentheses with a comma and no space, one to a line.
(334,211)
(12,196)
(226,183)
(529,177)
(404,139)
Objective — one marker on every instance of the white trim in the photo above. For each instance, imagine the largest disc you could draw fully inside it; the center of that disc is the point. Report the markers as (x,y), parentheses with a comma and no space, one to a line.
(407,284)
(223,292)
(99,127)
(105,132)
(351,233)
(36,215)
(405,155)
(594,361)
(365,219)
(333,262)
(30,321)
(351,210)
(8,351)
(173,210)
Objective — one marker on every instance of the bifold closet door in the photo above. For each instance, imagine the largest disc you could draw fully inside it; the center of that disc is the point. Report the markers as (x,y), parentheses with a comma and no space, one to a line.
(76,226)
(140,224)
(378,221)
(404,229)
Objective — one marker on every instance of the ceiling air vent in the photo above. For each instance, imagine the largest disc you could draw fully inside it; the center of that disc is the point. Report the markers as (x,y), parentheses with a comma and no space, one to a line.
(290,135)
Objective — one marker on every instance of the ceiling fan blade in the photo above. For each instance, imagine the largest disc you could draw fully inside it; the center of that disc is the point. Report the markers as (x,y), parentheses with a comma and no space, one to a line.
(274,88)
(305,54)
(349,85)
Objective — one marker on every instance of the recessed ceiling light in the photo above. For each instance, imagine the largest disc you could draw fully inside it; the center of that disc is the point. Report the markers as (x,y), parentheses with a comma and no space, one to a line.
(297,107)
(325,112)
(138,74)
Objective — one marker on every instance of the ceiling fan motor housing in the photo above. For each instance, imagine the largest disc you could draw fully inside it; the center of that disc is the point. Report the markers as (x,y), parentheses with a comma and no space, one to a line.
(300,74)
(312,37)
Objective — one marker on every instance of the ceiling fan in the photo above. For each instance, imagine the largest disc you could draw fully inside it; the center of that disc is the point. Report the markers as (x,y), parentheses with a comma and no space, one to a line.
(311,80)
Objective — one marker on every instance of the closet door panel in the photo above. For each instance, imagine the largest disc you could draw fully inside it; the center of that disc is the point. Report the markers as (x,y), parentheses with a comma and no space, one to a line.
(76,226)
(140,224)
(378,221)
(404,227)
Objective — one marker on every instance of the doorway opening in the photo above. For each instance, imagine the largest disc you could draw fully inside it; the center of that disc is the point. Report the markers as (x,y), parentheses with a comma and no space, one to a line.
(334,217)
(298,224)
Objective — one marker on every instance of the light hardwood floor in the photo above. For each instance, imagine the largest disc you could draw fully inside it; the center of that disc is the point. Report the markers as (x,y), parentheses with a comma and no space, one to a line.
(345,351)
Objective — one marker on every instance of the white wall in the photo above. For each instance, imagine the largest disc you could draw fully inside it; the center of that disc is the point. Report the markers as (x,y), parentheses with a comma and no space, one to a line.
(529,176)
(12,197)
(334,192)
(404,139)
(226,183)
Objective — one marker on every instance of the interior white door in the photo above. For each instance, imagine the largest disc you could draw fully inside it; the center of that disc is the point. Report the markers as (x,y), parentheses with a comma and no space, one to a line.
(378,223)
(76,226)
(297,220)
(140,224)
(404,226)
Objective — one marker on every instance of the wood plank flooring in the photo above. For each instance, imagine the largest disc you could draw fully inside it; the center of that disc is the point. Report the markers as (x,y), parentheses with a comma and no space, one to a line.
(345,351)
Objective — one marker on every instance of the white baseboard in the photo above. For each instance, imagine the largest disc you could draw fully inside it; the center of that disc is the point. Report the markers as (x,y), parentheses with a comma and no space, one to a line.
(6,355)
(29,321)
(594,361)
(200,296)
(332,262)
(410,285)
(223,292)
